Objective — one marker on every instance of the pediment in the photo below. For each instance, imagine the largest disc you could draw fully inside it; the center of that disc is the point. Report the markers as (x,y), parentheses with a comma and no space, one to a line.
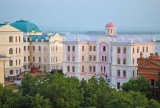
(151,63)
(9,28)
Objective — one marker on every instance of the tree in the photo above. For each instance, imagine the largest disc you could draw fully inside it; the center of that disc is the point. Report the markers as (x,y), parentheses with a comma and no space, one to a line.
(140,85)
(158,85)
(132,99)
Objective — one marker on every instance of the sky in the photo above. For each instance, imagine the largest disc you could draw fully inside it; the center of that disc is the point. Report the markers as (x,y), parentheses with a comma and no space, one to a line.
(84,15)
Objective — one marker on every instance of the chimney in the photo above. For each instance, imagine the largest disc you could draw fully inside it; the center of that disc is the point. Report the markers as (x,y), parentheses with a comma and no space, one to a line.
(156,55)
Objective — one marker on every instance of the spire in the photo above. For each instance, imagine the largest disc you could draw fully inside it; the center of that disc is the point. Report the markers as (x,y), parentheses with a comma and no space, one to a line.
(21,17)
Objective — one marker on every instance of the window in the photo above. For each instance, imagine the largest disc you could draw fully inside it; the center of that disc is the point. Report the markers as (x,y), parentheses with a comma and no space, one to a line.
(118,85)
(102,58)
(90,58)
(101,69)
(16,71)
(24,48)
(118,50)
(10,51)
(19,50)
(137,49)
(73,58)
(44,48)
(118,73)
(104,69)
(82,58)
(82,48)
(94,58)
(104,48)
(137,60)
(133,61)
(16,50)
(68,58)
(105,58)
(33,48)
(24,58)
(28,48)
(10,39)
(82,68)
(147,49)
(73,48)
(124,61)
(90,68)
(19,62)
(137,72)
(11,72)
(94,68)
(39,48)
(133,73)
(24,66)
(124,50)
(28,58)
(68,68)
(56,48)
(39,59)
(90,48)
(33,59)
(68,49)
(11,63)
(16,62)
(133,50)
(124,73)
(73,69)
(39,67)
(16,38)
(118,61)
(56,59)
(19,39)
(143,49)
(94,48)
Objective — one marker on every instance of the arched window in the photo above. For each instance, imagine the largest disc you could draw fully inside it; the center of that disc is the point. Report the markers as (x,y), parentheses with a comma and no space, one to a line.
(10,39)
(24,48)
(10,51)
(39,48)
(147,49)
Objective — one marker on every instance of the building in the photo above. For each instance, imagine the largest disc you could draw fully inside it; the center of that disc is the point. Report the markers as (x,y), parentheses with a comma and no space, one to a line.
(28,47)
(11,45)
(111,56)
(3,59)
(149,67)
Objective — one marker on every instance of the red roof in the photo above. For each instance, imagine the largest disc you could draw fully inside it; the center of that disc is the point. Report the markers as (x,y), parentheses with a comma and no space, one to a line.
(110,25)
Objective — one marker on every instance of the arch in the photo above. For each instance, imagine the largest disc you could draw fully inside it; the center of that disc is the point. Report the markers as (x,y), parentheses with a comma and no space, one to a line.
(10,51)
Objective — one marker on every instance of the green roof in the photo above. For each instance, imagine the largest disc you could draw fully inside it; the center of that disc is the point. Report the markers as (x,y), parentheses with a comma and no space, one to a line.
(25,26)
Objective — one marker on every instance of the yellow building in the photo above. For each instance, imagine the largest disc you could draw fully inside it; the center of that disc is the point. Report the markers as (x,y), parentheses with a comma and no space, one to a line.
(3,59)
(11,45)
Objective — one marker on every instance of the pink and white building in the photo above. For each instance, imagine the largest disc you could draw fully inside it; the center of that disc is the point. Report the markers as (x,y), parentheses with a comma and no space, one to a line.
(111,56)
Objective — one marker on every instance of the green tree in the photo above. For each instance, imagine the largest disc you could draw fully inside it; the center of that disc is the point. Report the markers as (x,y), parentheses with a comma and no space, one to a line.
(140,85)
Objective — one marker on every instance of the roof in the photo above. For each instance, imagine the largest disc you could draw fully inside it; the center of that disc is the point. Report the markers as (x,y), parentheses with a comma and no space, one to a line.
(110,25)
(25,26)
(40,37)
(2,25)
(2,57)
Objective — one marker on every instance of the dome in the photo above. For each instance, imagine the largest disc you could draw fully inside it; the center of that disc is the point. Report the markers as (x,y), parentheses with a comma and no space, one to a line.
(25,26)
(110,25)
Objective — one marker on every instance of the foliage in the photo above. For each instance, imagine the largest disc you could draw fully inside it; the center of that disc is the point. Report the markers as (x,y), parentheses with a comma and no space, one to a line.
(138,85)
(60,91)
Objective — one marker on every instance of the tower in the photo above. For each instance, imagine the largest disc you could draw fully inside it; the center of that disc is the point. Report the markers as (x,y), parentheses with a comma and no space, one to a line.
(110,29)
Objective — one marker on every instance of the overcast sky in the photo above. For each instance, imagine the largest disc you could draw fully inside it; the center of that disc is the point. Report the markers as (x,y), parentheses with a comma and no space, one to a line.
(84,15)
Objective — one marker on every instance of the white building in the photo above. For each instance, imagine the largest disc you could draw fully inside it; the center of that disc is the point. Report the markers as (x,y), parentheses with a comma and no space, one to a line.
(111,56)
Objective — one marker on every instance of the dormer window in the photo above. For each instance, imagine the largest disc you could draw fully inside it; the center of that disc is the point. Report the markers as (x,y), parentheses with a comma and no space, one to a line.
(36,40)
